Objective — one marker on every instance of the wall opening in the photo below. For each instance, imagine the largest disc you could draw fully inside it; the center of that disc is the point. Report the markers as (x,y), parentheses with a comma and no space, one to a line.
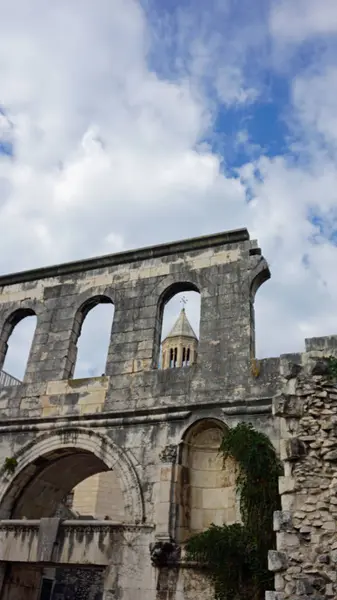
(91,338)
(16,342)
(207,491)
(259,346)
(42,488)
(56,475)
(181,351)
(99,496)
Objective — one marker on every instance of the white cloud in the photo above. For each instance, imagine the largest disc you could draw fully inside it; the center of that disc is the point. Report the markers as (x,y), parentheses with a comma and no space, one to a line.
(231,87)
(296,21)
(110,155)
(96,133)
(314,98)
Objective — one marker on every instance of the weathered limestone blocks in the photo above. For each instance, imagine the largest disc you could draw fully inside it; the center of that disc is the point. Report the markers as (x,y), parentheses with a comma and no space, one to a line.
(304,562)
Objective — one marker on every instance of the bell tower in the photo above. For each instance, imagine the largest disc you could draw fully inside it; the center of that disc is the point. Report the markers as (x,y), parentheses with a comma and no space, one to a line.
(180,347)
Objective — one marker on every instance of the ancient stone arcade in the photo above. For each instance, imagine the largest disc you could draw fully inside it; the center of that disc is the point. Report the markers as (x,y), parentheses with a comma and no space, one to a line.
(156,430)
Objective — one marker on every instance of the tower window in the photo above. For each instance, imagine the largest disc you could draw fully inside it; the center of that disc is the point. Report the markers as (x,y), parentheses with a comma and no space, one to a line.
(179,326)
(171,358)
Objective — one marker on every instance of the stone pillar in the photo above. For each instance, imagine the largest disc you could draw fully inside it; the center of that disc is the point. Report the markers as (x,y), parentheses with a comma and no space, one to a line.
(3,350)
(165,507)
(180,356)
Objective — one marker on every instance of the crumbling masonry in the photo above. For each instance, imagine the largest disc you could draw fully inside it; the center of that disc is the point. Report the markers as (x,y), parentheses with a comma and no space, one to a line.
(157,429)
(306,557)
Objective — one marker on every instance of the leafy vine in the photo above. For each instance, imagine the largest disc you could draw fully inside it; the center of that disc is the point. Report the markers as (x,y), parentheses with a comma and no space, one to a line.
(236,555)
(332,368)
(10,464)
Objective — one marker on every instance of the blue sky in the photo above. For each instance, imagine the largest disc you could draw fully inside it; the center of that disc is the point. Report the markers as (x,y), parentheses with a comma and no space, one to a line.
(225,115)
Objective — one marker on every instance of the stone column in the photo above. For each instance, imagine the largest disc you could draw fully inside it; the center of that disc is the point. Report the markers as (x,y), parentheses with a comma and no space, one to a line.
(180,355)
(165,508)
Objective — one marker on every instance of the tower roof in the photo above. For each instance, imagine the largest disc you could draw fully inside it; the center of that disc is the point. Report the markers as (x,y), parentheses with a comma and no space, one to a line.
(182,327)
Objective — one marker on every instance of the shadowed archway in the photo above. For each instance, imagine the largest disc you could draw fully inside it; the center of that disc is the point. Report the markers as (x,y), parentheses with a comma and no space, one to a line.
(52,465)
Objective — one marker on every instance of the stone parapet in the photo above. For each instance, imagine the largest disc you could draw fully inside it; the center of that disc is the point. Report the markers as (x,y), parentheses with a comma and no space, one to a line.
(52,541)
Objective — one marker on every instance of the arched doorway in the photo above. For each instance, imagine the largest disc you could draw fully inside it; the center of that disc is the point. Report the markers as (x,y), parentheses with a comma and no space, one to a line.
(46,471)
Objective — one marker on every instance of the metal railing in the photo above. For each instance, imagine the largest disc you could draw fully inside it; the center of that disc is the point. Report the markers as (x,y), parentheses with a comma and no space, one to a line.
(8,380)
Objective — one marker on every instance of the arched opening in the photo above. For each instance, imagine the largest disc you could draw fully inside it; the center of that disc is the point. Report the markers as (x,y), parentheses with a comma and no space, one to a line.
(180,336)
(56,474)
(258,316)
(16,342)
(57,463)
(46,476)
(207,481)
(91,338)
(47,495)
(92,497)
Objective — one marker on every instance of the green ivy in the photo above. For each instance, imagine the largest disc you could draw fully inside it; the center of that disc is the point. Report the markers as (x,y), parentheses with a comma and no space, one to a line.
(10,464)
(332,368)
(236,555)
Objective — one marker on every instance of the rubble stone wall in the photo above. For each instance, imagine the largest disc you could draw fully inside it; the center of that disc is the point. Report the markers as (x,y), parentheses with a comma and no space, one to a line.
(305,562)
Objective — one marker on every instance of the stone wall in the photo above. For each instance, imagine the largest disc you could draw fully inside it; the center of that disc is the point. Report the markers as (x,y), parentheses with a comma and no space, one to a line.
(226,269)
(100,496)
(305,562)
(136,419)
(79,584)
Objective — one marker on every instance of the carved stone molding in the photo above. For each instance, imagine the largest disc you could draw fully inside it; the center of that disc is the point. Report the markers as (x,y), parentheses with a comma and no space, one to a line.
(18,529)
(164,553)
(169,454)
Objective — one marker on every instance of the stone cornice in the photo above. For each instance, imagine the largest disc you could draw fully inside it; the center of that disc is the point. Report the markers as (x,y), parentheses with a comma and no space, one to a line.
(106,419)
(134,417)
(130,256)
(91,524)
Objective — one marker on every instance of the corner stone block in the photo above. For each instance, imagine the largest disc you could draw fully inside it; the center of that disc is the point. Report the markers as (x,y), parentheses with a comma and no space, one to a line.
(288,405)
(292,449)
(286,485)
(287,541)
(282,520)
(277,561)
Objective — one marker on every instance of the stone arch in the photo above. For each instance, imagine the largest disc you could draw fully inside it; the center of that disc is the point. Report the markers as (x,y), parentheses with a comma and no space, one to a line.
(167,290)
(45,455)
(257,277)
(207,482)
(13,318)
(199,423)
(90,300)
